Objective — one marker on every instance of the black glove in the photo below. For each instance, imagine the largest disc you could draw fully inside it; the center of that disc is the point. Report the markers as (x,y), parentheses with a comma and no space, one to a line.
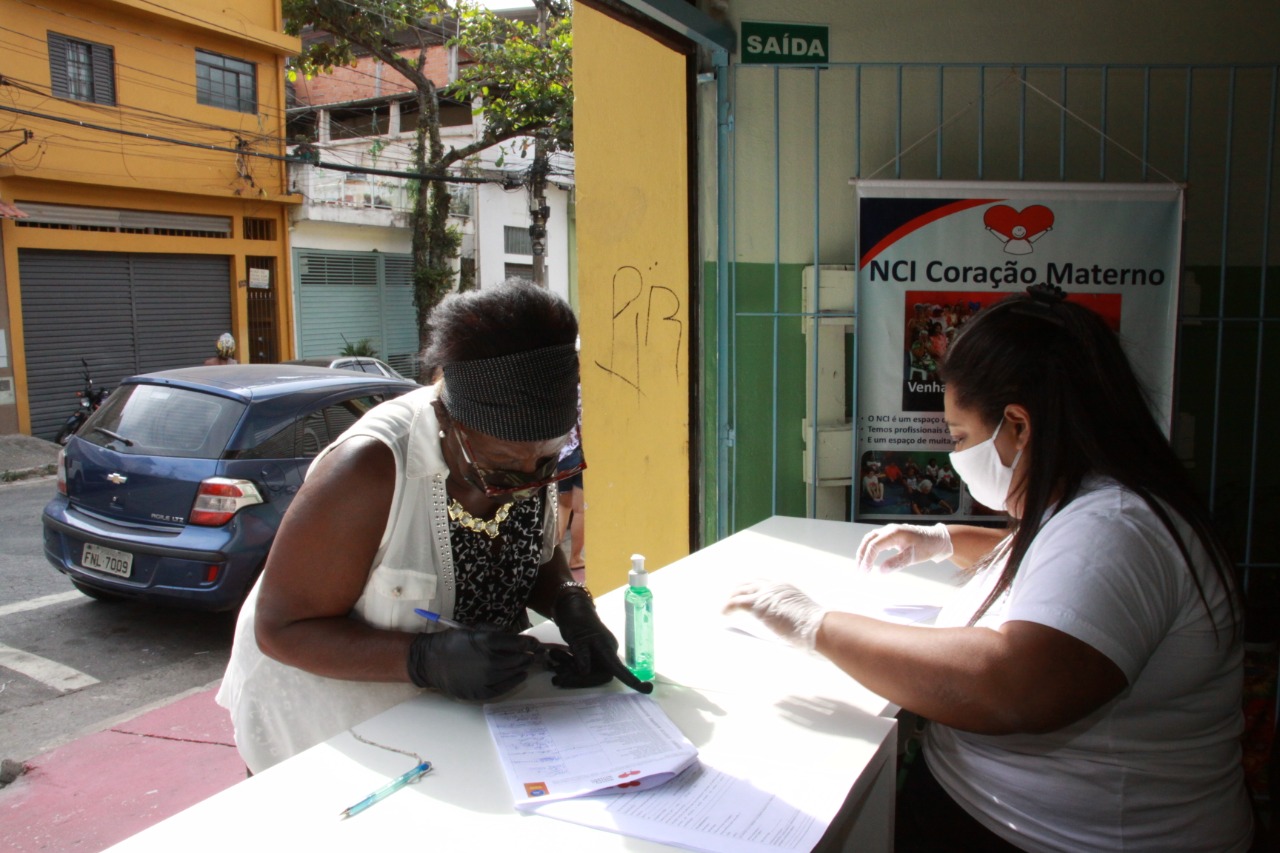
(467,663)
(593,651)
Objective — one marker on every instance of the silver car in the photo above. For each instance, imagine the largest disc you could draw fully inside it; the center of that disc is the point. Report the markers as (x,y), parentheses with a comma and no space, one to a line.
(358,363)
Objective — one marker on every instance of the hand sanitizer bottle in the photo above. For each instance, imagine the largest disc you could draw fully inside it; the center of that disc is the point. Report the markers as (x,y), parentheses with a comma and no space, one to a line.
(639,639)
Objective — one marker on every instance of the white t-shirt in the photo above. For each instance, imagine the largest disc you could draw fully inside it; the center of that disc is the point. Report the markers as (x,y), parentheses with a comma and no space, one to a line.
(1157,768)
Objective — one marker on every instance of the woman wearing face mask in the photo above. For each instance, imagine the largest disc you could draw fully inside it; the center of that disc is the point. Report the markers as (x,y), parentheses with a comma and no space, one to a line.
(1084,686)
(441,500)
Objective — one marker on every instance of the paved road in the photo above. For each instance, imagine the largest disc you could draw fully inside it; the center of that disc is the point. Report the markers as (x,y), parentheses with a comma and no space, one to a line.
(70,665)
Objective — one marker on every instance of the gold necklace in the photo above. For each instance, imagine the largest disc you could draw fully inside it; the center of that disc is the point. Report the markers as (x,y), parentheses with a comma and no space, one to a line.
(479,525)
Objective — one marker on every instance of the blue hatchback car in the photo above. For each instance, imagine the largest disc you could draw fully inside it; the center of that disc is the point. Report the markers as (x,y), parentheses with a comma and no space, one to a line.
(172,492)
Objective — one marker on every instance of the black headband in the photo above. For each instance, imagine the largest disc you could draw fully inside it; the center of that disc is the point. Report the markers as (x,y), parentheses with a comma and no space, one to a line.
(524,396)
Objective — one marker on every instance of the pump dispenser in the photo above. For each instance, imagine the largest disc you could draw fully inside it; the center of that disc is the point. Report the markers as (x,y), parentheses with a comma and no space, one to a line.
(639,639)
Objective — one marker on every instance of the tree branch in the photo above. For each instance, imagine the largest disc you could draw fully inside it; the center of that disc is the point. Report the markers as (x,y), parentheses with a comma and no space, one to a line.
(453,155)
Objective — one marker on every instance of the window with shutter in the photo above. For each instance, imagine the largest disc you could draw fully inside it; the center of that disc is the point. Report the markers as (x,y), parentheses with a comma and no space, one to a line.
(81,70)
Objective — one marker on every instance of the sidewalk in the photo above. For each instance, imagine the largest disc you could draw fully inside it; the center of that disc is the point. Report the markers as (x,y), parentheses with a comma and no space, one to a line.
(23,456)
(104,787)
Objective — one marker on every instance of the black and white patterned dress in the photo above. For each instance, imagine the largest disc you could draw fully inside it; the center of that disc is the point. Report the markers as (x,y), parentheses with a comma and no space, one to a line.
(495,576)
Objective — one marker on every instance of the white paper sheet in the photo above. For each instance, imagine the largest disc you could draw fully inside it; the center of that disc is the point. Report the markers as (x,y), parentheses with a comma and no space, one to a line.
(702,809)
(554,749)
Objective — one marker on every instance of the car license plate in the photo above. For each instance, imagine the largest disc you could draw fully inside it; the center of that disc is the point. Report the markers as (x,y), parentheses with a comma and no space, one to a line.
(107,560)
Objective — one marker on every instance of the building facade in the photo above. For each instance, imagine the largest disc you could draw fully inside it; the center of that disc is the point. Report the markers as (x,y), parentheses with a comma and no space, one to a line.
(350,237)
(145,146)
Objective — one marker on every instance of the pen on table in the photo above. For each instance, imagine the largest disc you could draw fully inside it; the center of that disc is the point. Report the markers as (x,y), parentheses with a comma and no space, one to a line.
(390,788)
(436,617)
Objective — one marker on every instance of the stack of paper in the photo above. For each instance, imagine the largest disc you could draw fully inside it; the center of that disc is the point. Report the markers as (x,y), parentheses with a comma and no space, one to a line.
(573,746)
(601,761)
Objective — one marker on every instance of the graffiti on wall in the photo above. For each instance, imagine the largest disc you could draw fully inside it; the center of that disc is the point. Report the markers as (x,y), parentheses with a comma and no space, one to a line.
(646,329)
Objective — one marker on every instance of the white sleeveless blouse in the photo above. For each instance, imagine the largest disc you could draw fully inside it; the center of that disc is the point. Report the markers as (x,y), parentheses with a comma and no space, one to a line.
(279,710)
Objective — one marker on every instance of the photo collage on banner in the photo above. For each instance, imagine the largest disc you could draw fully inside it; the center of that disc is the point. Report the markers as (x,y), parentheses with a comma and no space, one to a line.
(934,254)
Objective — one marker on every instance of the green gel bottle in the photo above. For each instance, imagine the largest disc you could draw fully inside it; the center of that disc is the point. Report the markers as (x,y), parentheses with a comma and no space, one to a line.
(639,639)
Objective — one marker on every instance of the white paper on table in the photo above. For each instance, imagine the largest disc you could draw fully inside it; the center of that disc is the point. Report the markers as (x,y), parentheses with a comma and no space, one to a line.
(702,809)
(553,749)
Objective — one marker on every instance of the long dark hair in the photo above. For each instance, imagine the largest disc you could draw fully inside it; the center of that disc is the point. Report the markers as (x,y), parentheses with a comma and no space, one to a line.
(516,316)
(1089,415)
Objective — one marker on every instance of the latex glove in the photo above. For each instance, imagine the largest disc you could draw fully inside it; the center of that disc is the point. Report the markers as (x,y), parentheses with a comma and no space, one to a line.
(787,611)
(914,543)
(468,663)
(593,650)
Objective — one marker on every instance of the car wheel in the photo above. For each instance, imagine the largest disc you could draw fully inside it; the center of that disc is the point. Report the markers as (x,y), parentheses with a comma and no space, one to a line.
(97,594)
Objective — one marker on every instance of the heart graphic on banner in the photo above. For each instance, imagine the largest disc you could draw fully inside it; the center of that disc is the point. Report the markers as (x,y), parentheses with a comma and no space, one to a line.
(1006,221)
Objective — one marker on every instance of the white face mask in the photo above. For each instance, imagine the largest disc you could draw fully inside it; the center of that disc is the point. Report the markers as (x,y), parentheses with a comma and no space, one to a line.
(986,476)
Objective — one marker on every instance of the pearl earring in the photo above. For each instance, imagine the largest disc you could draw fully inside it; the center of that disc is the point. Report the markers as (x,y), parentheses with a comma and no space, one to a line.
(442,433)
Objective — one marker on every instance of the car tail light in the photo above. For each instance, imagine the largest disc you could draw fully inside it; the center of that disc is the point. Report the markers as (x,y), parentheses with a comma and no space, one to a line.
(62,472)
(220,498)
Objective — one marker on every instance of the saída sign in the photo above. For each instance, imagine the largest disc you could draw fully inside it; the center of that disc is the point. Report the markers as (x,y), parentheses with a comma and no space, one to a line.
(784,44)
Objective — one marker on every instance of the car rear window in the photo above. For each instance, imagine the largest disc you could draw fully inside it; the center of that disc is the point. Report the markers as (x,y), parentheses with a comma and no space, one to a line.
(156,420)
(311,432)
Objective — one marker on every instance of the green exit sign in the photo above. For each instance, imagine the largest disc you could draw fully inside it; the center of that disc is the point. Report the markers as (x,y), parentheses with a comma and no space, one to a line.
(791,44)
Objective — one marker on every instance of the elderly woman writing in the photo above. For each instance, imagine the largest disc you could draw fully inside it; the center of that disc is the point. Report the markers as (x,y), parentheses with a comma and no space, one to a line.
(1084,686)
(442,500)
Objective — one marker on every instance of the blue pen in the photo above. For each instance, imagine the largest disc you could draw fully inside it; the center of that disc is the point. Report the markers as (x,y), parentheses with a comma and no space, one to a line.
(388,789)
(436,617)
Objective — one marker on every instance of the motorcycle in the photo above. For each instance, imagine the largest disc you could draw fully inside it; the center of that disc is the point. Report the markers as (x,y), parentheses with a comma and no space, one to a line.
(91,399)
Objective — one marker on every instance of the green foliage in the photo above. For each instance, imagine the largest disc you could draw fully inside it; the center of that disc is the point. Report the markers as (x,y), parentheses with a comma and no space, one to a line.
(453,234)
(369,24)
(521,74)
(523,77)
(364,347)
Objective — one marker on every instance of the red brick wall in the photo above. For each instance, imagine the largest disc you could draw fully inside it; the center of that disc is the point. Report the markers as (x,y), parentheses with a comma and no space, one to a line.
(362,81)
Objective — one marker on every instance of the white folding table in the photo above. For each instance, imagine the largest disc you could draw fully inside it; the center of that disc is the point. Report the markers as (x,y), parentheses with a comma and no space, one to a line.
(817,737)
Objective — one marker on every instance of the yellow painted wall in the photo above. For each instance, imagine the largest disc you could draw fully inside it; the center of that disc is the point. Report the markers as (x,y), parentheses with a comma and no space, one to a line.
(66,161)
(155,81)
(252,19)
(631,142)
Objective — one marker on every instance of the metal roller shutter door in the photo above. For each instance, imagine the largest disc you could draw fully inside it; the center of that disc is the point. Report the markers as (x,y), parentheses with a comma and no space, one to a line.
(124,313)
(182,303)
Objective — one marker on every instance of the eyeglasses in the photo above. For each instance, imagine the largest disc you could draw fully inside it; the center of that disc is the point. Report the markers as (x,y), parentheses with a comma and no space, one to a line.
(500,482)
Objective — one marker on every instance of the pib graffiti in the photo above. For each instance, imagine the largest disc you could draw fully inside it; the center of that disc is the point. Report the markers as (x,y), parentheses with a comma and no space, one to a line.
(646,329)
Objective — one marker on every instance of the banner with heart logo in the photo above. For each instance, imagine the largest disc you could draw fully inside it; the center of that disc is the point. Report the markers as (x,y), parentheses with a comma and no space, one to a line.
(932,254)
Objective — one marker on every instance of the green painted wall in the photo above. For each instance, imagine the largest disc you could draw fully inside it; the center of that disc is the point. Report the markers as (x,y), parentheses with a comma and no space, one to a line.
(1234,406)
(769,360)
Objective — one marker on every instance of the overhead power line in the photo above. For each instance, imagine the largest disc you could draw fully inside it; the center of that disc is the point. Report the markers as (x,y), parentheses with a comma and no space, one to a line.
(141,114)
(248,152)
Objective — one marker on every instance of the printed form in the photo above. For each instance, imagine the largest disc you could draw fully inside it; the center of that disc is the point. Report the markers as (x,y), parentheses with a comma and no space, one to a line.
(616,762)
(553,749)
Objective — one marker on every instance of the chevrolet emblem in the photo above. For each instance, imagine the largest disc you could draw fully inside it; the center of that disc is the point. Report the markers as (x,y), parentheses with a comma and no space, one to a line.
(118,479)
